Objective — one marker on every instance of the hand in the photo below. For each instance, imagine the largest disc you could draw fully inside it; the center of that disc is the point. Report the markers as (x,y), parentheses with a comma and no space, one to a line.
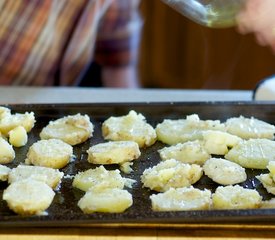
(258,17)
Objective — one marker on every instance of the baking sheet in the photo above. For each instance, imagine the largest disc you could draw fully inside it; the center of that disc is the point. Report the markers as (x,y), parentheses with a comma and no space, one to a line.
(64,210)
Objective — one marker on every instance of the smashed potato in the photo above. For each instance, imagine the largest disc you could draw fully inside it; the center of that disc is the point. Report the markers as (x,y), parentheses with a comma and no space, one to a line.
(252,153)
(131,127)
(171,173)
(4,111)
(4,172)
(247,128)
(271,167)
(28,197)
(235,197)
(268,203)
(100,178)
(72,129)
(268,179)
(181,199)
(268,182)
(11,121)
(111,200)
(182,130)
(224,172)
(188,152)
(52,177)
(52,153)
(7,153)
(218,142)
(117,152)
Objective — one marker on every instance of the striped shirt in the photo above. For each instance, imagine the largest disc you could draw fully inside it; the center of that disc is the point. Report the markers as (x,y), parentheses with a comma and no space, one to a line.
(51,42)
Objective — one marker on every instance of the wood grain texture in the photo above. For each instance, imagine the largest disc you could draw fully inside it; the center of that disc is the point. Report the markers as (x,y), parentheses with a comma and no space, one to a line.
(177,53)
(134,234)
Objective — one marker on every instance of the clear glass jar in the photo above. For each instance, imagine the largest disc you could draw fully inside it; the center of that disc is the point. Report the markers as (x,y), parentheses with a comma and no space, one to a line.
(210,13)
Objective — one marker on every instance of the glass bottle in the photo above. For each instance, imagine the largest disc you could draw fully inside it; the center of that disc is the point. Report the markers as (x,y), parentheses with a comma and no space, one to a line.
(210,13)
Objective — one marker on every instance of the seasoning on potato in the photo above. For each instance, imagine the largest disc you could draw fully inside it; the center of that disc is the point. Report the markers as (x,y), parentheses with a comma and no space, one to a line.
(72,129)
(171,173)
(116,152)
(52,153)
(28,197)
(181,199)
(132,126)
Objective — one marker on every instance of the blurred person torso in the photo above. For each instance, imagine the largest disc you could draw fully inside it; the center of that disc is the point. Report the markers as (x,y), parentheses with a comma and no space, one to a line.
(51,42)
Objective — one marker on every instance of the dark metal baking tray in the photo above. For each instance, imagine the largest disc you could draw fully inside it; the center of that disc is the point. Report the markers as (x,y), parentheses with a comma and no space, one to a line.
(64,210)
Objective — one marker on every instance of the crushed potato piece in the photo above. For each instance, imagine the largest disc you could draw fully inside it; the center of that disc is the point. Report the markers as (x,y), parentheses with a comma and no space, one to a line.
(188,152)
(72,129)
(11,121)
(100,178)
(116,152)
(7,153)
(224,172)
(4,111)
(236,197)
(132,127)
(218,142)
(112,200)
(182,130)
(28,197)
(268,182)
(268,203)
(18,136)
(126,167)
(247,128)
(268,179)
(50,176)
(52,153)
(252,153)
(4,172)
(171,173)
(181,199)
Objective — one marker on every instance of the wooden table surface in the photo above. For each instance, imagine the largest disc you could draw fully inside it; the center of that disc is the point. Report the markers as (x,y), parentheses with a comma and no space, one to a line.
(135,234)
(196,231)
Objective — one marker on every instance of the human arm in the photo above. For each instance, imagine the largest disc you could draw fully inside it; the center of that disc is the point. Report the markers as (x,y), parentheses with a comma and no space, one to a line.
(118,44)
(120,77)
(258,17)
